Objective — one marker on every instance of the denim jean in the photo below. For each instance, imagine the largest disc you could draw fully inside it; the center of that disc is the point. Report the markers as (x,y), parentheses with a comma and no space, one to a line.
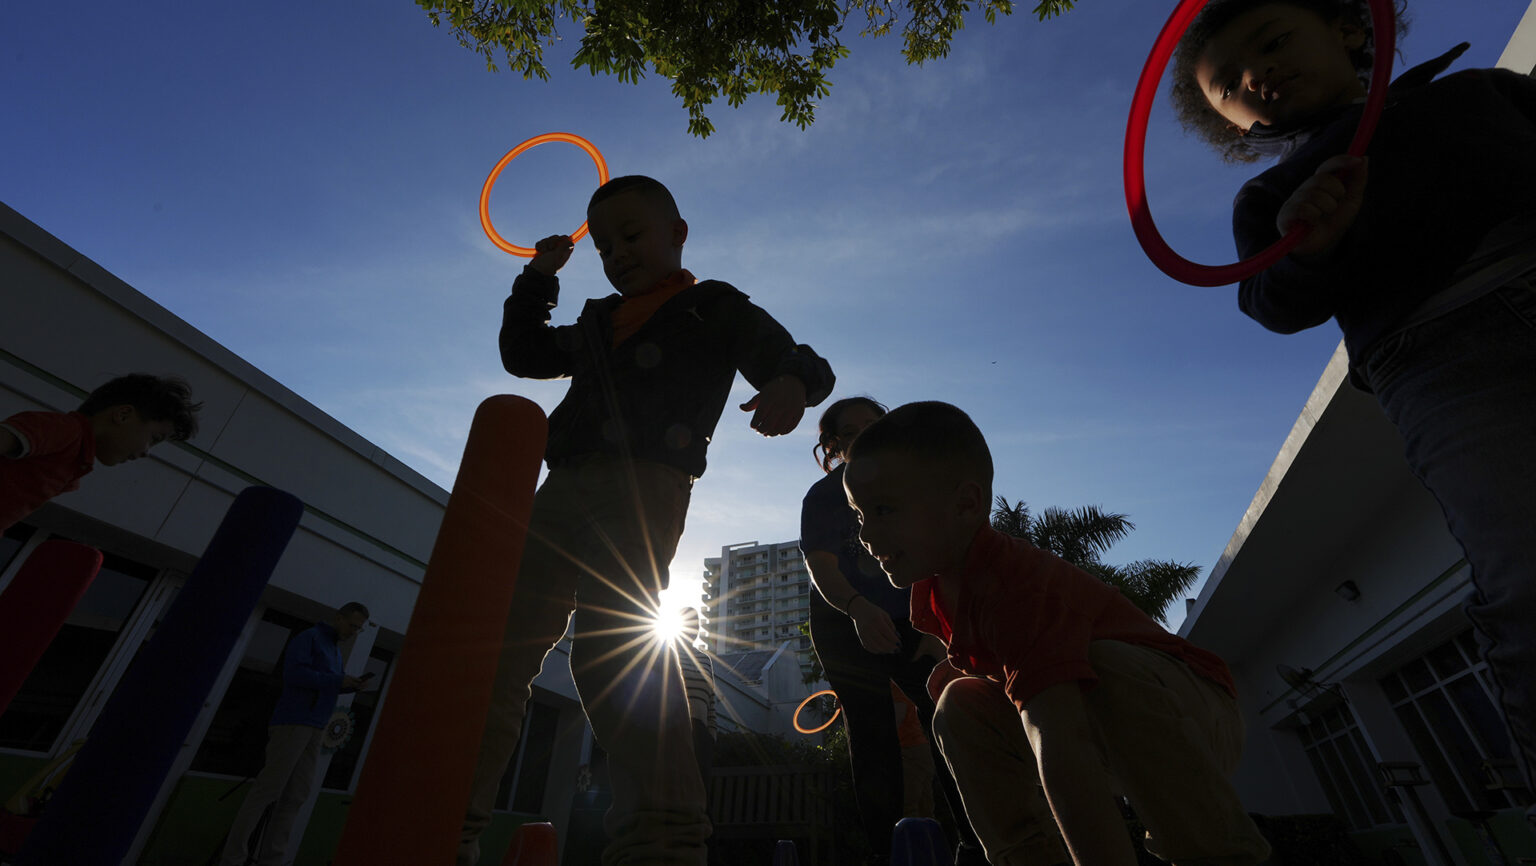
(1461,389)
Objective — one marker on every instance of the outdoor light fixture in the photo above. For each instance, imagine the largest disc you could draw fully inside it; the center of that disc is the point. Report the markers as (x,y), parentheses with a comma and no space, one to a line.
(1348,590)
(1298,680)
(1401,774)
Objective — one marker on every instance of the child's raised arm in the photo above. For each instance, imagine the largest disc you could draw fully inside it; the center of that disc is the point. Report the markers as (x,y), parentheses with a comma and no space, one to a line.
(551,254)
(530,347)
(1328,202)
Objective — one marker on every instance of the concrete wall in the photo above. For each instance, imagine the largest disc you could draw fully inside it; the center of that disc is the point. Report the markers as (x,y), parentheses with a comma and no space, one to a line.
(68,325)
(1339,504)
(370,520)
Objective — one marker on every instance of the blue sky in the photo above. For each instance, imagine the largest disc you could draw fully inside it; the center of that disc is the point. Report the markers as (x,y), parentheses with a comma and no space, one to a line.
(300,182)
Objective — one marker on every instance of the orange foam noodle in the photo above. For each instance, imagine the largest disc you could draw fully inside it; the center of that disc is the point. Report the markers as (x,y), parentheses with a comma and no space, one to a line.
(414,788)
(534,844)
(490,181)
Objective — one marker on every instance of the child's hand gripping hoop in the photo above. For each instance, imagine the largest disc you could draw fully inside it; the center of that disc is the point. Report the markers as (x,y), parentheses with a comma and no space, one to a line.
(1383,25)
(485,191)
(835,713)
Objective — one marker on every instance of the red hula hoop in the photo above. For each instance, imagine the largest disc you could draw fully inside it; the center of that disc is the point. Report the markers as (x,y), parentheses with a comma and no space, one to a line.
(1383,25)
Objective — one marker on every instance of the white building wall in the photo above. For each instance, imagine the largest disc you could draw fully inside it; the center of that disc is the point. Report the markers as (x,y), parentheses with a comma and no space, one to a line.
(68,325)
(765,705)
(74,322)
(1339,504)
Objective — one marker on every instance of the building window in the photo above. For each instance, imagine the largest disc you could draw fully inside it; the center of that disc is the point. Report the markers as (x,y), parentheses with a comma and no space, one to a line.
(11,541)
(236,741)
(1345,769)
(522,788)
(62,676)
(365,704)
(1444,701)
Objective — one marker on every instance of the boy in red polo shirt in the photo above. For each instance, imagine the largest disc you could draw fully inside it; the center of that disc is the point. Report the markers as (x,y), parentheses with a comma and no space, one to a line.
(43,454)
(1068,688)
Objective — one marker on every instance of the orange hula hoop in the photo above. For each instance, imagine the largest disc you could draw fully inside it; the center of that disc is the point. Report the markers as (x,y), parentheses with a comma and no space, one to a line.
(490,181)
(835,714)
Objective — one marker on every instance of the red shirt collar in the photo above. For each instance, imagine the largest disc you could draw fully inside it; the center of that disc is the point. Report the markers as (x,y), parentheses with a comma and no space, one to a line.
(928,613)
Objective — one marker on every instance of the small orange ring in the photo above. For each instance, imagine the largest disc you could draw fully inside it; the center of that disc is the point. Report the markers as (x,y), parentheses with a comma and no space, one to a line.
(796,719)
(485,191)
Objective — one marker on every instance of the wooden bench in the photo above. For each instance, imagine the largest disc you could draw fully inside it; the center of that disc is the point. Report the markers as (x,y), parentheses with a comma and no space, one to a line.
(776,802)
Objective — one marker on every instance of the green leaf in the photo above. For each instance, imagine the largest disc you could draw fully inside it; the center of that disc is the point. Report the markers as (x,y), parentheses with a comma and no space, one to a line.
(711,48)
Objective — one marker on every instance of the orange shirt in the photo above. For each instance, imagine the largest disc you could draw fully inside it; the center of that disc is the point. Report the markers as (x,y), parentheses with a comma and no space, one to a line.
(57,450)
(1025,617)
(637,309)
(909,728)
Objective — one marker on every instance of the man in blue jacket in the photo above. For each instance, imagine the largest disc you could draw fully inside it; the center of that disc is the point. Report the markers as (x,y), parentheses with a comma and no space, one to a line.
(312,679)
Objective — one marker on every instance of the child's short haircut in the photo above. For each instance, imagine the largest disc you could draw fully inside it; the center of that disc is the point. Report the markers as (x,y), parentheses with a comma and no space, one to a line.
(352,607)
(651,188)
(157,398)
(1189,101)
(930,430)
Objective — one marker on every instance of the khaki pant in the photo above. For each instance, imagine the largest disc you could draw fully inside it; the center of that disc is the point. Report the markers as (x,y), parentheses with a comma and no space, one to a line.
(1170,740)
(284,784)
(599,541)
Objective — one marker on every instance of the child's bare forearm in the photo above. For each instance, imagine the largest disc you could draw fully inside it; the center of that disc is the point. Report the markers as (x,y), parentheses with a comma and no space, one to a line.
(1072,774)
(829,579)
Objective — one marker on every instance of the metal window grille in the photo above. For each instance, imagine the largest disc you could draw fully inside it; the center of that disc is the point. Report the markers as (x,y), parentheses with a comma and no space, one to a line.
(1444,701)
(1343,764)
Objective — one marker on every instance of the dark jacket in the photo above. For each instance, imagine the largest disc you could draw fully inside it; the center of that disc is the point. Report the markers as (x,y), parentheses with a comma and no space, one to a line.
(658,395)
(1450,161)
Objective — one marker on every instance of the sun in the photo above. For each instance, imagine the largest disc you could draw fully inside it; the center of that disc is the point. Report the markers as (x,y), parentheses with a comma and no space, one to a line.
(667,625)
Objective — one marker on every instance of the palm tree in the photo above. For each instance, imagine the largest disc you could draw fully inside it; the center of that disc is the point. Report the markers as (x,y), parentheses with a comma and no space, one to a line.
(1082,536)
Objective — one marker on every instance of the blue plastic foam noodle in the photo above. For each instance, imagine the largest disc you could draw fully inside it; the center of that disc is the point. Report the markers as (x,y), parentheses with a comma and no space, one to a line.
(919,842)
(784,854)
(96,813)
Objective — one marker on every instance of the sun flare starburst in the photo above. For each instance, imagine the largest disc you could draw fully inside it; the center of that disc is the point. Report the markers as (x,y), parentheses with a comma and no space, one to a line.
(668,625)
